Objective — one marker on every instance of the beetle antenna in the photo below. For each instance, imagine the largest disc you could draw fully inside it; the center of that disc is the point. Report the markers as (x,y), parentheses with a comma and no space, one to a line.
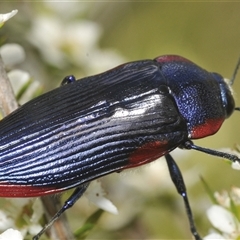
(235,73)
(233,79)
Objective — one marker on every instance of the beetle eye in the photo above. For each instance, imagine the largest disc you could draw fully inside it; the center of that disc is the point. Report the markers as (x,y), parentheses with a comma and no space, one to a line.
(226,95)
(228,101)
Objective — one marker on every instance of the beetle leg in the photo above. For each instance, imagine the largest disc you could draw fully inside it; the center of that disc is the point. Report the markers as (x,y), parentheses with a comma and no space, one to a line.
(78,192)
(68,79)
(190,145)
(178,181)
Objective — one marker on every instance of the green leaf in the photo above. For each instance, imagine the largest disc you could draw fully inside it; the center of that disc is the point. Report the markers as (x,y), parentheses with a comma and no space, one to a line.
(209,191)
(89,224)
(23,89)
(234,208)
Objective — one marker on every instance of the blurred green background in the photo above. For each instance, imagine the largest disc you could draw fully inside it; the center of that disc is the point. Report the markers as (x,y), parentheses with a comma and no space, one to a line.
(206,33)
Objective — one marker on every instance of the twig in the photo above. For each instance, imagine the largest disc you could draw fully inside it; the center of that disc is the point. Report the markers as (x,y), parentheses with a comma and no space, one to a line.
(8,102)
(61,228)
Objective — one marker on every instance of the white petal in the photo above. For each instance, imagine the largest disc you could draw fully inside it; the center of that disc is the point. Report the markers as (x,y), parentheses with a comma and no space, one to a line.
(105,204)
(213,236)
(5,221)
(236,165)
(221,219)
(12,54)
(6,16)
(235,195)
(37,211)
(11,234)
(95,194)
(223,198)
(18,79)
(34,229)
(51,45)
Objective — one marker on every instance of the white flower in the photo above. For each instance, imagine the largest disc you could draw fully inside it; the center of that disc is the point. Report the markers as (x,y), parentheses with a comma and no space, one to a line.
(37,211)
(11,234)
(222,219)
(223,198)
(8,218)
(19,79)
(34,229)
(75,43)
(12,54)
(235,195)
(56,40)
(214,236)
(6,16)
(5,221)
(235,165)
(95,194)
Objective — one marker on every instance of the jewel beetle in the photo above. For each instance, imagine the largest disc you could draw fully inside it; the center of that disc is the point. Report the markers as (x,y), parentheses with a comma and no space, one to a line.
(122,118)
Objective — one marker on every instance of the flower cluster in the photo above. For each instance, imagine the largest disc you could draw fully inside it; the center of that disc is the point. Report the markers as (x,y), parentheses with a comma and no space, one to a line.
(224,215)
